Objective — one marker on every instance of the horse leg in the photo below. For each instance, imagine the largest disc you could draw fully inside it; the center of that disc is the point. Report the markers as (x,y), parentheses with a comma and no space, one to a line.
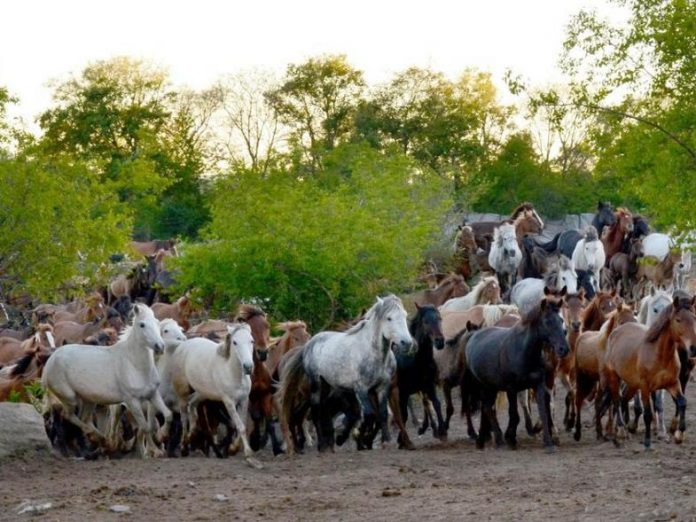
(493,419)
(680,400)
(647,417)
(399,405)
(514,420)
(135,406)
(238,423)
(449,405)
(351,418)
(484,426)
(383,410)
(523,399)
(542,397)
(431,393)
(315,398)
(468,405)
(157,403)
(412,412)
(632,425)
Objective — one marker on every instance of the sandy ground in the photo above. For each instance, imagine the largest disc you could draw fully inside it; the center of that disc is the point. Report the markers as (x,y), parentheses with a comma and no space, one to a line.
(585,480)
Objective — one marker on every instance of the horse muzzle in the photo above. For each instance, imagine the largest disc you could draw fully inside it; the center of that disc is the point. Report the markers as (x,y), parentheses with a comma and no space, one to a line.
(439,343)
(562,349)
(158,348)
(510,253)
(247,368)
(262,355)
(576,326)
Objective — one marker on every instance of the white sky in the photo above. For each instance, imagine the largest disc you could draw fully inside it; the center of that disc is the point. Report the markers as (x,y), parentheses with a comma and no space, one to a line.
(201,40)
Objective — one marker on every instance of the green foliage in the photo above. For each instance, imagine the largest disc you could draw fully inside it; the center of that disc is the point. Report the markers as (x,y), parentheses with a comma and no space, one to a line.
(318,248)
(58,223)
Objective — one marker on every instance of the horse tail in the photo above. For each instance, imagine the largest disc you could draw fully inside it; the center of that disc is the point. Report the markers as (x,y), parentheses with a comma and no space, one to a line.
(550,246)
(294,385)
(604,402)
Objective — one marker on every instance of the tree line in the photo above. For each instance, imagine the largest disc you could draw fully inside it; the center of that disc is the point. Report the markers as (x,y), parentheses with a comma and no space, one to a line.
(314,190)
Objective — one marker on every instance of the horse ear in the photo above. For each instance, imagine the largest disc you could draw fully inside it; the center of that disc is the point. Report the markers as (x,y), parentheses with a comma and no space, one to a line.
(675,302)
(581,294)
(418,307)
(224,349)
(547,291)
(599,205)
(136,309)
(564,291)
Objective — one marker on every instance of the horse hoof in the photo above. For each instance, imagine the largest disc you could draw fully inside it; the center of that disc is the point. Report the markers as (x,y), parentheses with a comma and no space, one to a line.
(550,449)
(254,463)
(648,448)
(678,437)
(577,436)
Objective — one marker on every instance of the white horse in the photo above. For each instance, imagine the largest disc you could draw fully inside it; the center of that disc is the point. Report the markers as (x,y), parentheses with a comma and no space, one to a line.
(657,245)
(589,255)
(505,255)
(204,370)
(528,293)
(81,377)
(359,361)
(486,291)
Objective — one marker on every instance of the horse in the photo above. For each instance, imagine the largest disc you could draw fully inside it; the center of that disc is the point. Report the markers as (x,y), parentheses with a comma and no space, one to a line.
(213,329)
(615,235)
(535,260)
(658,245)
(646,360)
(204,370)
(652,305)
(361,361)
(93,310)
(450,287)
(623,268)
(527,293)
(469,258)
(482,315)
(683,270)
(589,359)
(588,254)
(295,333)
(418,373)
(660,273)
(588,283)
(150,248)
(505,255)
(11,348)
(180,311)
(604,217)
(511,360)
(486,291)
(24,370)
(78,377)
(573,308)
(598,310)
(533,224)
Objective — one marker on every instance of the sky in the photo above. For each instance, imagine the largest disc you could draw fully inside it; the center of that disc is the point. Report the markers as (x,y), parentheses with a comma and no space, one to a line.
(200,41)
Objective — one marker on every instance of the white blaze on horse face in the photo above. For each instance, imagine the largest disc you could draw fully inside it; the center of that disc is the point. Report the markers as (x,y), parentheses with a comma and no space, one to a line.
(148,328)
(538,218)
(51,340)
(242,343)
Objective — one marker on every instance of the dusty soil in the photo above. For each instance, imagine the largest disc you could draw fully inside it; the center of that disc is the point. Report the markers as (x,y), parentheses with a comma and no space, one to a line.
(588,480)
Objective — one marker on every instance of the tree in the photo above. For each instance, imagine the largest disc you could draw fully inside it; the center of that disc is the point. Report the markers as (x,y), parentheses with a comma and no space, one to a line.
(318,248)
(317,99)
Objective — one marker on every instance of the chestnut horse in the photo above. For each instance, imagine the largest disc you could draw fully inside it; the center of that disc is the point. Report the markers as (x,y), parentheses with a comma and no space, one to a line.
(180,311)
(451,286)
(646,360)
(615,235)
(531,224)
(589,356)
(11,348)
(294,334)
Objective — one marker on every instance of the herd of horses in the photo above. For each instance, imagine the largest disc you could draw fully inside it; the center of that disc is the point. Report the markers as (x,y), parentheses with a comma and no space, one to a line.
(608,312)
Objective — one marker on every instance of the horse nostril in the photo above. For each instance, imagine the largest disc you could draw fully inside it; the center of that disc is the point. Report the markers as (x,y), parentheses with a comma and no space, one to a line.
(248,368)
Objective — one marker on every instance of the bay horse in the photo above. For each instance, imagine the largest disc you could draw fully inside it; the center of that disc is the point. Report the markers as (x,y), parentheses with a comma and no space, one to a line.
(486,291)
(360,362)
(604,303)
(604,216)
(261,405)
(418,373)
(511,360)
(590,349)
(295,333)
(615,235)
(647,360)
(450,287)
(533,224)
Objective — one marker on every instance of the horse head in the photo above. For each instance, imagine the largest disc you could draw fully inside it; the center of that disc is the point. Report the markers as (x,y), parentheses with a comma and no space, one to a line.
(429,322)
(239,339)
(172,334)
(390,317)
(551,326)
(564,276)
(146,328)
(605,214)
(625,220)
(573,309)
(260,328)
(505,238)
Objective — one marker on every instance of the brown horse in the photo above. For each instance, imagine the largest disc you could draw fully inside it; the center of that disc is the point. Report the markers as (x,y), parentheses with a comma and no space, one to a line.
(469,258)
(261,405)
(452,286)
(294,334)
(589,357)
(180,311)
(213,329)
(11,348)
(614,236)
(659,273)
(533,224)
(573,309)
(647,360)
(70,332)
(22,371)
(598,310)
(150,248)
(93,309)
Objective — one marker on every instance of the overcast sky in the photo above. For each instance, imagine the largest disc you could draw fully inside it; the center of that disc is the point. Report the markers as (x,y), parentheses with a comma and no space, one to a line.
(201,40)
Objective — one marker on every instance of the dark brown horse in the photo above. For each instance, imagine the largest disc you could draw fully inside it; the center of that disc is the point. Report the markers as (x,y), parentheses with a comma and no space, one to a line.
(533,224)
(452,286)
(615,235)
(295,333)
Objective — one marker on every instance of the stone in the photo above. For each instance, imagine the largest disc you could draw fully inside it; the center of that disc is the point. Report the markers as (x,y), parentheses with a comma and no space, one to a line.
(22,431)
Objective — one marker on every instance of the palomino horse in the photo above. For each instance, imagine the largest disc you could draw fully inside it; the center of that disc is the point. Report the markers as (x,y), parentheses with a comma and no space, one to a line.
(511,360)
(81,377)
(533,224)
(482,315)
(487,291)
(180,311)
(204,370)
(359,360)
(450,287)
(418,374)
(295,334)
(647,360)
(614,236)
(604,217)
(505,256)
(590,350)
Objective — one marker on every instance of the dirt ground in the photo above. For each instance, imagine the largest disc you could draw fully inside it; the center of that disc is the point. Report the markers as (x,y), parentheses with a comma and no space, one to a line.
(585,480)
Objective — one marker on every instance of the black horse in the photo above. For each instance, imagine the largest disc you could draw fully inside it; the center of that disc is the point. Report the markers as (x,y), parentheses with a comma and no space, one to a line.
(512,360)
(419,373)
(604,217)
(562,243)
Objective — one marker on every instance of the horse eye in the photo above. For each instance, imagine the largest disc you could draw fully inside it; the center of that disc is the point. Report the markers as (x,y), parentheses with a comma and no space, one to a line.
(234,342)
(388,318)
(166,331)
(655,310)
(142,325)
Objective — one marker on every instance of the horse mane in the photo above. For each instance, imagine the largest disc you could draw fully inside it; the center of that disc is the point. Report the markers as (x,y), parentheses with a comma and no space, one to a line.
(521,208)
(493,313)
(591,234)
(377,311)
(475,293)
(592,312)
(21,365)
(660,324)
(248,311)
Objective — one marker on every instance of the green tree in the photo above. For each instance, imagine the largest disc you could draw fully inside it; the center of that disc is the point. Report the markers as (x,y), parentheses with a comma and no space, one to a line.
(318,248)
(317,100)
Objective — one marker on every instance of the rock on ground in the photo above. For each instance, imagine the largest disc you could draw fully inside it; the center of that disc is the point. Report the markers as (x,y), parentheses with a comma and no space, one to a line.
(21,431)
